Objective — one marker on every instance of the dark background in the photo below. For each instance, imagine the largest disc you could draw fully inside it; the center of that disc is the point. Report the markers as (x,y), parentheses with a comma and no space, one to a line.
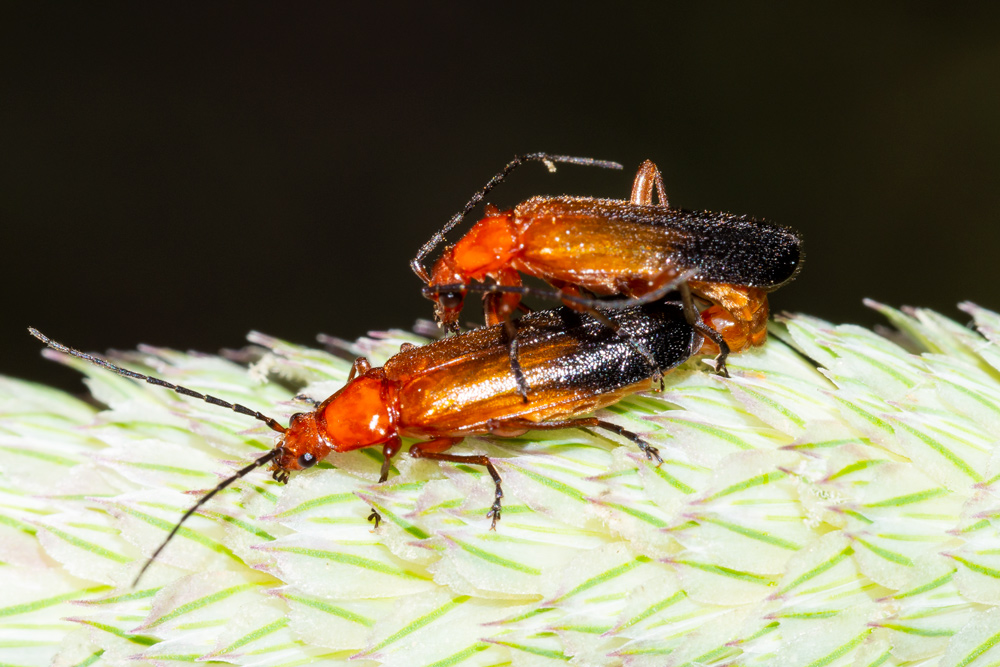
(179,177)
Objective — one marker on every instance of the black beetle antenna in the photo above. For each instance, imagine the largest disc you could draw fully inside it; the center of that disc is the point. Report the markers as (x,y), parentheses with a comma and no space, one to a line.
(243,410)
(103,363)
(242,472)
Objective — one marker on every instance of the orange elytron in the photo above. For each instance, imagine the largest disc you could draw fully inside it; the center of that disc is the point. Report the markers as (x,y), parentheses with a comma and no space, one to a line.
(463,385)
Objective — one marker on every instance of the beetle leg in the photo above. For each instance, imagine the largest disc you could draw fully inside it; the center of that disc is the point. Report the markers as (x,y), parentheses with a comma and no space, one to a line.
(500,305)
(491,308)
(389,450)
(510,334)
(646,178)
(516,425)
(646,448)
(360,367)
(434,450)
(694,319)
(738,312)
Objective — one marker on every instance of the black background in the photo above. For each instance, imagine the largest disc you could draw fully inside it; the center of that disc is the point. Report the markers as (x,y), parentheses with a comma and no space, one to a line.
(181,176)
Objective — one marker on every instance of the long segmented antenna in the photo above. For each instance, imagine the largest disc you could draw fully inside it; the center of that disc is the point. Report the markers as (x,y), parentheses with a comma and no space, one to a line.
(559,295)
(236,407)
(550,162)
(242,472)
(103,363)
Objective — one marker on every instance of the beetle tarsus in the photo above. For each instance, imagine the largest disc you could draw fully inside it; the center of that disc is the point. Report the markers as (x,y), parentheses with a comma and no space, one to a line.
(652,453)
(389,450)
(694,319)
(494,512)
(720,359)
(720,366)
(471,459)
(510,334)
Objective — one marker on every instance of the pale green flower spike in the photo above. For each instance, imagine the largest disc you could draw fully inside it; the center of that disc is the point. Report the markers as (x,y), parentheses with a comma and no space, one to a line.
(834,503)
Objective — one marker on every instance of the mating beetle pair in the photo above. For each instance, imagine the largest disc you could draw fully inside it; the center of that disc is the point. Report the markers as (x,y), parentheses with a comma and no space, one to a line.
(552,367)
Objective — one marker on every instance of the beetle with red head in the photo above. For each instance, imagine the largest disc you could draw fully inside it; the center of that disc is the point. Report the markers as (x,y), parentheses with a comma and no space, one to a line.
(635,249)
(463,385)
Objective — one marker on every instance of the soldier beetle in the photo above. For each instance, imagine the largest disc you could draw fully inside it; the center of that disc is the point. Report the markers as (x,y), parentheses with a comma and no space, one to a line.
(636,249)
(463,385)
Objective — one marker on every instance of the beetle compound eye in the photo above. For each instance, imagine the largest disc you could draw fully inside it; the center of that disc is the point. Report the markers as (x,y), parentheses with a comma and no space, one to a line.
(450,300)
(307,460)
